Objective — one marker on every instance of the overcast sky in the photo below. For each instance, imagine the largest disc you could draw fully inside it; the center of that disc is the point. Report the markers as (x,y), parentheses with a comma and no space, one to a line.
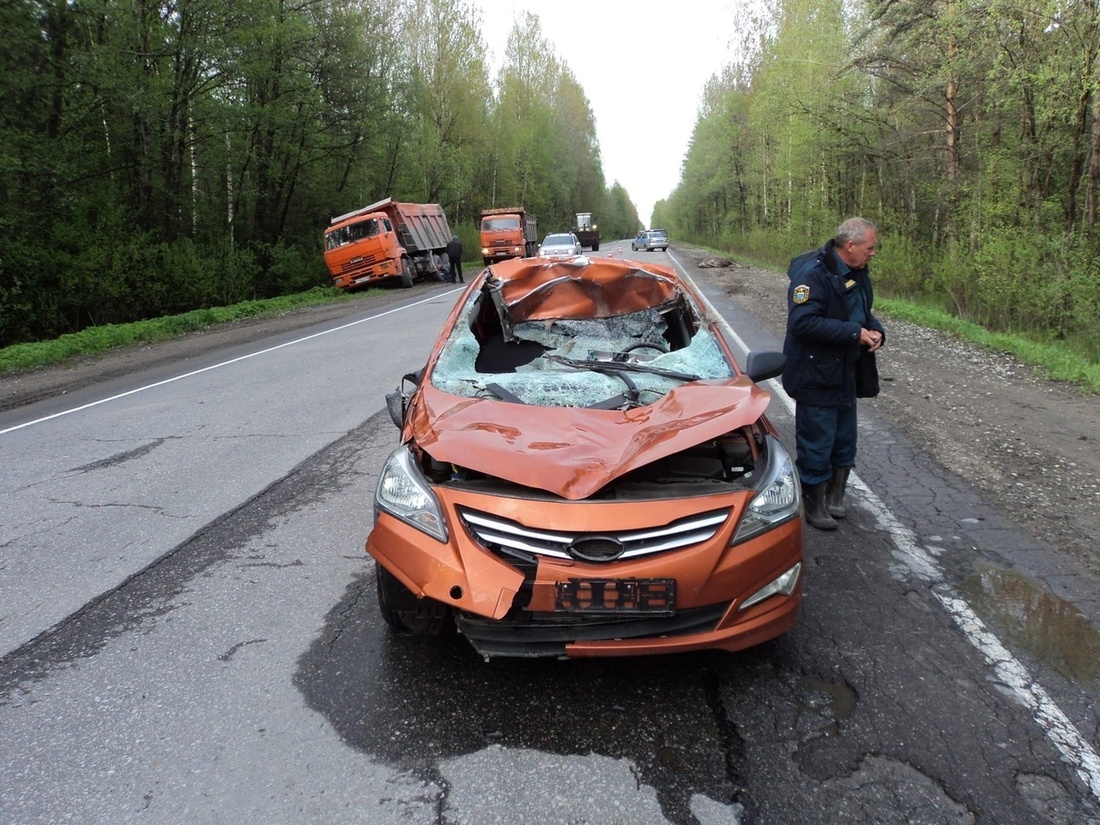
(642,65)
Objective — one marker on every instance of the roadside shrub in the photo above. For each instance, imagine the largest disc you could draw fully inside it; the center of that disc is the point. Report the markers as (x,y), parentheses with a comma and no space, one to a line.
(902,267)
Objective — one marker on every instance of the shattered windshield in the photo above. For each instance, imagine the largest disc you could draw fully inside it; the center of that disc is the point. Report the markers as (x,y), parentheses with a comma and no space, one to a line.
(628,359)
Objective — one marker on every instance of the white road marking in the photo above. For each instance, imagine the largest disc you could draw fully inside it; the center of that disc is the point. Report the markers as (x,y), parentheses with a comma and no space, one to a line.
(1008,671)
(212,367)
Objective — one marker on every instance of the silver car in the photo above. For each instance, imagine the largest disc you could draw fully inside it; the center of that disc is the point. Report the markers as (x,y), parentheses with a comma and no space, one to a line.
(561,244)
(649,240)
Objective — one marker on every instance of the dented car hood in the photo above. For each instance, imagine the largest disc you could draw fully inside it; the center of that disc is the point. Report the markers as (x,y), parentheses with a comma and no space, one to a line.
(574,452)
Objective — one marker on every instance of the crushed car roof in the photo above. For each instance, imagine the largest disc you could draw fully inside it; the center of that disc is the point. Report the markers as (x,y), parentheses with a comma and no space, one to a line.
(546,423)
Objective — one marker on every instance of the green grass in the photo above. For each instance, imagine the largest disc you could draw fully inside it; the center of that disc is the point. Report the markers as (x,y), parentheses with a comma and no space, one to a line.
(1050,360)
(110,336)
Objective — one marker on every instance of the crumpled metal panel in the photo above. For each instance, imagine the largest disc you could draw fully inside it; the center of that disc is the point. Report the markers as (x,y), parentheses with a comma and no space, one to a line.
(582,288)
(574,452)
(569,451)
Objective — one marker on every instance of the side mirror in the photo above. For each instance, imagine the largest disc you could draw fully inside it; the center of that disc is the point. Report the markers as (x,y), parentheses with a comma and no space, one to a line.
(760,366)
(397,402)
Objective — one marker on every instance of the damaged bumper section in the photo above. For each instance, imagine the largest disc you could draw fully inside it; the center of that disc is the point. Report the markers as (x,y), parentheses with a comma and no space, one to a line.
(585,471)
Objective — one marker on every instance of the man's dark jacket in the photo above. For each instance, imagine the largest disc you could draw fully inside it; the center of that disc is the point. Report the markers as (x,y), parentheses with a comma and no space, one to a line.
(454,249)
(822,345)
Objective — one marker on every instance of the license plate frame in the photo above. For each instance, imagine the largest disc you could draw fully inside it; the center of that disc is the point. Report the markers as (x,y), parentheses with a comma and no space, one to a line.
(616,597)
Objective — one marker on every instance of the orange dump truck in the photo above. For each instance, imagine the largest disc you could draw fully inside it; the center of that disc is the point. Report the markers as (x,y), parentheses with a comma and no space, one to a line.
(386,240)
(508,232)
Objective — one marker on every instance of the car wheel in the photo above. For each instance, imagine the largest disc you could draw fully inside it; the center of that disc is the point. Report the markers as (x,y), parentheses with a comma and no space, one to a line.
(403,611)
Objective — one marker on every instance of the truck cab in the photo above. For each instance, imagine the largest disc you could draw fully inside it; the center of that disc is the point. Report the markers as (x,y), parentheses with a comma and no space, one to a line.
(509,232)
(364,248)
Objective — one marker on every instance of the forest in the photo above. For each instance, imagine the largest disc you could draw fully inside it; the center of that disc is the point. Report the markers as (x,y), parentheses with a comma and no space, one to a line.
(968,130)
(158,156)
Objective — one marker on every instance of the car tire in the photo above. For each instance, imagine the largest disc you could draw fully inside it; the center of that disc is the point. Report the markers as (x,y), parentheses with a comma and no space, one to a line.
(403,611)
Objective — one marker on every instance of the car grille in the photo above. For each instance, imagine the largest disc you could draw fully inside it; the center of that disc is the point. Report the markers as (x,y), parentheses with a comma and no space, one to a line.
(511,538)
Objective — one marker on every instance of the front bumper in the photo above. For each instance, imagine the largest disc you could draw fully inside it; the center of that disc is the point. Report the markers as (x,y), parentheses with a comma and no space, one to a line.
(510,608)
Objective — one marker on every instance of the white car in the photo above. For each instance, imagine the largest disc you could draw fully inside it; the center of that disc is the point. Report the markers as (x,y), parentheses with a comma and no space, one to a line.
(561,244)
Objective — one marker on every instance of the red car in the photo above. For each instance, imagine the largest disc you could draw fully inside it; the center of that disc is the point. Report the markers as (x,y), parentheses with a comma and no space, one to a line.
(584,470)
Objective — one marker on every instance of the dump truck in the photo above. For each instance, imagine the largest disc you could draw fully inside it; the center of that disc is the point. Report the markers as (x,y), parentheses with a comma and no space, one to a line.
(587,232)
(386,241)
(508,232)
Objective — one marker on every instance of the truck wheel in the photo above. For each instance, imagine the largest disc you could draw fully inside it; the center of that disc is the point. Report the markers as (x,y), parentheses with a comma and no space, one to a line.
(407,272)
(596,246)
(403,611)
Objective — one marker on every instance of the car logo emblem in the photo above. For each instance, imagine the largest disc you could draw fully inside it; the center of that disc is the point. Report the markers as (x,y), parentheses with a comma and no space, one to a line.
(596,548)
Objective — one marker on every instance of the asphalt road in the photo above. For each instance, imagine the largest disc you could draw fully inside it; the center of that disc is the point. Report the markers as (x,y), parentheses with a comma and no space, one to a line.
(189,634)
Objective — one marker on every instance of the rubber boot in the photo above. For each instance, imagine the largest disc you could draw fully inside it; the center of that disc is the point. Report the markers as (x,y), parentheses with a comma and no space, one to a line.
(834,493)
(813,499)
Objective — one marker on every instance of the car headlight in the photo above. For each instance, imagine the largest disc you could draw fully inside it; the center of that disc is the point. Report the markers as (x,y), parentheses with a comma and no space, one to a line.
(777,496)
(782,586)
(403,491)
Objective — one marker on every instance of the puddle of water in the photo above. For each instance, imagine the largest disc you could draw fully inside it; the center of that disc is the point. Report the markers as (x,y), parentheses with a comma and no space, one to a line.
(1050,628)
(842,699)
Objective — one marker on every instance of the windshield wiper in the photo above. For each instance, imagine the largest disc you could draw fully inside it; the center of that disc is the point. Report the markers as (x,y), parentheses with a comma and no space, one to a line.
(614,367)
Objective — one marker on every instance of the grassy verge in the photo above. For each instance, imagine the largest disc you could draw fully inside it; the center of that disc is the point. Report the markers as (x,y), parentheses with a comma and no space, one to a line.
(103,338)
(1050,360)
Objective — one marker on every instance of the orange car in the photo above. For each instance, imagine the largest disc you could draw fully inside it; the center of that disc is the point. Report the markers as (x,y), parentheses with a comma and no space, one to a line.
(584,470)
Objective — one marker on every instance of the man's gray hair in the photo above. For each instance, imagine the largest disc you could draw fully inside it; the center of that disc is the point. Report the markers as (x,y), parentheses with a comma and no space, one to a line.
(854,229)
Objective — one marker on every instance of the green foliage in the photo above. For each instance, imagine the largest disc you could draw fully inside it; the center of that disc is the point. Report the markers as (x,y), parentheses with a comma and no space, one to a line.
(967,129)
(903,267)
(156,158)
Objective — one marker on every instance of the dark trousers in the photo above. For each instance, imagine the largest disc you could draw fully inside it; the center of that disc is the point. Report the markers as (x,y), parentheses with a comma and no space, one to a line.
(825,438)
(456,269)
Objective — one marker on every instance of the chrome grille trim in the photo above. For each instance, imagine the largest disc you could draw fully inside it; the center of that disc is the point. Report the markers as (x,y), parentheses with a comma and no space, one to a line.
(493,530)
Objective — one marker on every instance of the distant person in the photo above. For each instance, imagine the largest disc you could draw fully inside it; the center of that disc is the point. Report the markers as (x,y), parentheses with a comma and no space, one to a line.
(454,255)
(830,327)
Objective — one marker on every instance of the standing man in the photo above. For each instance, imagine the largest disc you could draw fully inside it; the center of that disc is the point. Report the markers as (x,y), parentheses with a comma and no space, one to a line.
(454,255)
(829,326)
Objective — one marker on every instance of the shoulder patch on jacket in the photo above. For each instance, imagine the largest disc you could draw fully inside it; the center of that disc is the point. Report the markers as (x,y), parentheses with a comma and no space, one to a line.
(801,294)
